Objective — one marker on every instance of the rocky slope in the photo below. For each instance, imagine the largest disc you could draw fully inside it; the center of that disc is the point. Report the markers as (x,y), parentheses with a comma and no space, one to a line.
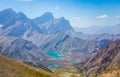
(65,43)
(113,72)
(20,49)
(104,59)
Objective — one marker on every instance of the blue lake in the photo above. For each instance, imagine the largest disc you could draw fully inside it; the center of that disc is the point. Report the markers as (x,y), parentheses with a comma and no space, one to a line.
(74,62)
(53,55)
(56,55)
(53,66)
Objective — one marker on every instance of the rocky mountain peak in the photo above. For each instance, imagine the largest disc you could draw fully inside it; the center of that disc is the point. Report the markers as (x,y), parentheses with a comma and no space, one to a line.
(21,16)
(9,10)
(6,14)
(48,14)
(44,18)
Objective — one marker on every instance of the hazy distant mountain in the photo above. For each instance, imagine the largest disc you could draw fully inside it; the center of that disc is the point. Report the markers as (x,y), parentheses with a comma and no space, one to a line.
(111,29)
(88,30)
(95,37)
(105,59)
(114,29)
(20,49)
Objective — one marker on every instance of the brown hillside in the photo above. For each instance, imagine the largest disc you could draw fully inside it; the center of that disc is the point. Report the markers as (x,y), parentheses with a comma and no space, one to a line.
(11,68)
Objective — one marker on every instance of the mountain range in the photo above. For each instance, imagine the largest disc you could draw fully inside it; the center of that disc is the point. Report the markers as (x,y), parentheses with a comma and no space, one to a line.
(48,24)
(45,28)
(49,34)
(16,24)
(27,40)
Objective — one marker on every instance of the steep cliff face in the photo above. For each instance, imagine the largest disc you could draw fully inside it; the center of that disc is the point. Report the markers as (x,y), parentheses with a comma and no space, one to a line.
(104,59)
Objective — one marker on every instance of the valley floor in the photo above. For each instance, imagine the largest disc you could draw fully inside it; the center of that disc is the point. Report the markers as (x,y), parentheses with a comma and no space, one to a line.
(113,72)
(67,73)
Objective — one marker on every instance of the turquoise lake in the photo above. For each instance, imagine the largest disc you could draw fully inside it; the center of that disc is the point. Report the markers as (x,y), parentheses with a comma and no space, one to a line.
(56,55)
(53,66)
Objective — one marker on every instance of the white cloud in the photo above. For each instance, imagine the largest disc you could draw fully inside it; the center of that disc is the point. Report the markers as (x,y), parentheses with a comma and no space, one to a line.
(118,16)
(25,0)
(102,16)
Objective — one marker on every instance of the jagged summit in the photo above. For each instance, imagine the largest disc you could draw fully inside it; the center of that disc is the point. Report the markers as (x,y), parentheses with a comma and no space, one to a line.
(8,10)
(6,14)
(44,18)
(21,16)
(49,14)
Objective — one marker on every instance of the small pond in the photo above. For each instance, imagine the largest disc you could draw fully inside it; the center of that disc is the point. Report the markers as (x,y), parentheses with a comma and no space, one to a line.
(53,66)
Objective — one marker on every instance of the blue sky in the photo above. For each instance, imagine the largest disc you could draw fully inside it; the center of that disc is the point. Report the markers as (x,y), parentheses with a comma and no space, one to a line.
(80,13)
